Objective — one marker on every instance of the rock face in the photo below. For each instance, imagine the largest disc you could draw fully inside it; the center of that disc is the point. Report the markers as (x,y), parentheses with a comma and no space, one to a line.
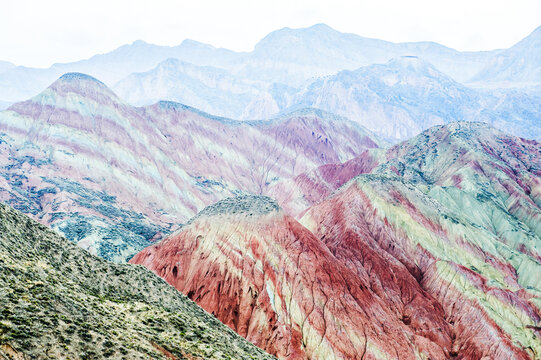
(57,301)
(459,207)
(489,302)
(102,172)
(436,246)
(269,279)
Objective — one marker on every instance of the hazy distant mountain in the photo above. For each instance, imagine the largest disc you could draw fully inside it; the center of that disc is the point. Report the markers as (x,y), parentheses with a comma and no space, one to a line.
(396,100)
(289,56)
(294,55)
(204,87)
(19,83)
(5,65)
(319,67)
(407,95)
(518,65)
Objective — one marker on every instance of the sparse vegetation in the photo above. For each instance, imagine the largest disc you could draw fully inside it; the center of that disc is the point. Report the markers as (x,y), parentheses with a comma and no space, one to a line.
(58,301)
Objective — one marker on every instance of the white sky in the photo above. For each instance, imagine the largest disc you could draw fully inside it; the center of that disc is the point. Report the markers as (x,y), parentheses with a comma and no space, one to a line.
(41,32)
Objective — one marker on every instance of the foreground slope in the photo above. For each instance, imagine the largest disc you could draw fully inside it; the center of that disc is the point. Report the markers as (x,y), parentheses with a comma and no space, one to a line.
(58,301)
(102,172)
(268,278)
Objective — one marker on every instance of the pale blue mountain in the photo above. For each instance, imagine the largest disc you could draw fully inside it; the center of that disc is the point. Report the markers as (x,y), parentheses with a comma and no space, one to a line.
(407,95)
(289,56)
(292,56)
(396,100)
(519,65)
(204,87)
(5,65)
(18,83)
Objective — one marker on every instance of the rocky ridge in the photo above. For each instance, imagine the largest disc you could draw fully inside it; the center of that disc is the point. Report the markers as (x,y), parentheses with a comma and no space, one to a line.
(269,279)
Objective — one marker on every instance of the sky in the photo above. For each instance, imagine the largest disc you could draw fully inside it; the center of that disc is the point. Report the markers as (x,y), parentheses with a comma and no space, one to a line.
(39,33)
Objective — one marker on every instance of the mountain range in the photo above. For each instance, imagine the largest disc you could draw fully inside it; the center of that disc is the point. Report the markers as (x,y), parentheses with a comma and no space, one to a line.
(80,159)
(348,198)
(437,248)
(396,100)
(290,68)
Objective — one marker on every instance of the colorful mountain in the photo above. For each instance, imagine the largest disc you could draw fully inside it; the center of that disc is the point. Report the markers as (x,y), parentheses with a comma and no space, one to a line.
(103,173)
(298,194)
(268,278)
(58,301)
(441,234)
(460,207)
(489,290)
(472,156)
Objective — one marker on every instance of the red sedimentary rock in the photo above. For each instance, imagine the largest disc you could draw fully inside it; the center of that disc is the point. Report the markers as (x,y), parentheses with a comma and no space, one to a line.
(271,280)
(417,272)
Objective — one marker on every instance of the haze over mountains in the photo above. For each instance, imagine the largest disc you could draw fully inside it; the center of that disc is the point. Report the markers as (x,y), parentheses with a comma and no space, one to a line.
(288,65)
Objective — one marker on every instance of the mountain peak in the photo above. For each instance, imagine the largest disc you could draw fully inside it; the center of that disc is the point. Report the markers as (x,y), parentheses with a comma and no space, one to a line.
(410,62)
(244,204)
(464,129)
(315,32)
(536,32)
(139,43)
(76,76)
(193,44)
(82,84)
(530,43)
(321,27)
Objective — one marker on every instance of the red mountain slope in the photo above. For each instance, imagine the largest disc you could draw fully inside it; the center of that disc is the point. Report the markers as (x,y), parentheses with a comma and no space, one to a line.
(268,278)
(491,307)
